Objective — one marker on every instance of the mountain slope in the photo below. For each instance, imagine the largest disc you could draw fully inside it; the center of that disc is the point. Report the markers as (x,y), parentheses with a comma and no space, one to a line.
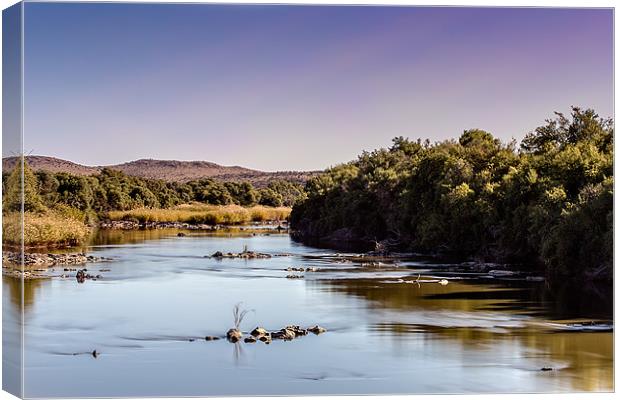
(168,170)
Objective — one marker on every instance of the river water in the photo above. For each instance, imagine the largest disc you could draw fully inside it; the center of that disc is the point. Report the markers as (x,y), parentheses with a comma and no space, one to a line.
(391,327)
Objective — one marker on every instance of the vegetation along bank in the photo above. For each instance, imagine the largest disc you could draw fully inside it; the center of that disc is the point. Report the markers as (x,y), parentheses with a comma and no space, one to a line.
(547,202)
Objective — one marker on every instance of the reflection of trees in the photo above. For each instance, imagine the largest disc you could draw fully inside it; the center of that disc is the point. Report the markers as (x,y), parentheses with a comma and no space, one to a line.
(109,237)
(14,288)
(456,296)
(588,356)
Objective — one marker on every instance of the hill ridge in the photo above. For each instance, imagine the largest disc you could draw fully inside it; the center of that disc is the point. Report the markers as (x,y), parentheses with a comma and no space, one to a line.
(167,170)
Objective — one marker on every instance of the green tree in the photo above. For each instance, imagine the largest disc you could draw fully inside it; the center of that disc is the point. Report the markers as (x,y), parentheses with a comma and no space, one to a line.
(29,196)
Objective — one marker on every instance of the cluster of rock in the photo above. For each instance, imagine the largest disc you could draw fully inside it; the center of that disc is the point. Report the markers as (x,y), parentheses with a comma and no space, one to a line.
(301,269)
(129,225)
(287,333)
(41,259)
(244,254)
(293,276)
(23,274)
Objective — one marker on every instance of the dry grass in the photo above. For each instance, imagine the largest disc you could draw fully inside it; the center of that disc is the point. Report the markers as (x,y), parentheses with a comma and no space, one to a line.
(50,228)
(205,214)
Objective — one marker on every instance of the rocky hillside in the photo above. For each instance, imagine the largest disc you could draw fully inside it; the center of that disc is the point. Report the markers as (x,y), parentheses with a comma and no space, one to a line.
(169,170)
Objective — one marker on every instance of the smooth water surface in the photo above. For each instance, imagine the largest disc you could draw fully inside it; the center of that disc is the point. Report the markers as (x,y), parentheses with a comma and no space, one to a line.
(387,333)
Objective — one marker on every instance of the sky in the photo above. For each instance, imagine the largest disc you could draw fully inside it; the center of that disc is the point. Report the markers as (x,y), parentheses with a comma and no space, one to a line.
(298,87)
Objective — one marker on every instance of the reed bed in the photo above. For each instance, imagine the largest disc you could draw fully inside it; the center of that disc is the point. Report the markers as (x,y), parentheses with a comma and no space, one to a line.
(204,214)
(49,228)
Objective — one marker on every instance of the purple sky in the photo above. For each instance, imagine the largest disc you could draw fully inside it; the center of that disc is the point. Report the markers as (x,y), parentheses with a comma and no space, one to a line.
(298,87)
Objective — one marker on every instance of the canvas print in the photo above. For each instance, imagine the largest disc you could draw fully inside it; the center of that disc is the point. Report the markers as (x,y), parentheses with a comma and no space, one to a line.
(271,199)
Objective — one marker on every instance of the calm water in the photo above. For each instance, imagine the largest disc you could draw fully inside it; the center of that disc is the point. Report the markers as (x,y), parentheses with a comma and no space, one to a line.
(384,335)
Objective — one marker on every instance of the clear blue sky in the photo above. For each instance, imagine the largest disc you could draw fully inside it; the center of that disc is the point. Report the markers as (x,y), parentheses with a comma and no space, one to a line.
(298,87)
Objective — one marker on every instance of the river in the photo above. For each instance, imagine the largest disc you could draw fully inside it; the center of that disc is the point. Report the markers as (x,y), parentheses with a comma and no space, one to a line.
(388,330)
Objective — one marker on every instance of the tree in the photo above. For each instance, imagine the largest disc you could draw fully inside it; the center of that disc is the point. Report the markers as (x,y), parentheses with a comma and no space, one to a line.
(29,196)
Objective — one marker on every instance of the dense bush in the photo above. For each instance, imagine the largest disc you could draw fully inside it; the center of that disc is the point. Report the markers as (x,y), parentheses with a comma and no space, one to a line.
(113,190)
(550,201)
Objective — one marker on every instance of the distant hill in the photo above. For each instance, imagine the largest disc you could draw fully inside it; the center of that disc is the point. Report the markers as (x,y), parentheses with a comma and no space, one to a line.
(168,170)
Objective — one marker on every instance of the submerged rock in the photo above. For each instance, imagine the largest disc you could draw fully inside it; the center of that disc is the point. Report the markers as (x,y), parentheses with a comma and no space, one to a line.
(249,339)
(210,338)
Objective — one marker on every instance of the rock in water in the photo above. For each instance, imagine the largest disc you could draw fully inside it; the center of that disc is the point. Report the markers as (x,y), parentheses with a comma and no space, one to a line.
(249,339)
(297,330)
(234,335)
(210,338)
(283,334)
(317,330)
(258,331)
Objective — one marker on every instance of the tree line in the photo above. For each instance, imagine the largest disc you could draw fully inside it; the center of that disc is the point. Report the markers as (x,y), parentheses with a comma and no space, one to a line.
(548,201)
(113,190)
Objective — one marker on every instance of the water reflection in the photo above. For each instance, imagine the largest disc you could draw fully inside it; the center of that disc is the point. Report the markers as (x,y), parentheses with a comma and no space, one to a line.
(148,316)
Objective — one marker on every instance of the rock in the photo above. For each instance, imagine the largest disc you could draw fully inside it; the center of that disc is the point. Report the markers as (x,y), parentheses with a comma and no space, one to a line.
(249,339)
(210,338)
(297,330)
(94,353)
(234,335)
(258,331)
(244,254)
(180,234)
(80,276)
(443,282)
(284,334)
(546,369)
(317,330)
(294,277)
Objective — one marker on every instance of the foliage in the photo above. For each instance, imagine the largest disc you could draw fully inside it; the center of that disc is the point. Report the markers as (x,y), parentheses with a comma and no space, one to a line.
(550,201)
(16,193)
